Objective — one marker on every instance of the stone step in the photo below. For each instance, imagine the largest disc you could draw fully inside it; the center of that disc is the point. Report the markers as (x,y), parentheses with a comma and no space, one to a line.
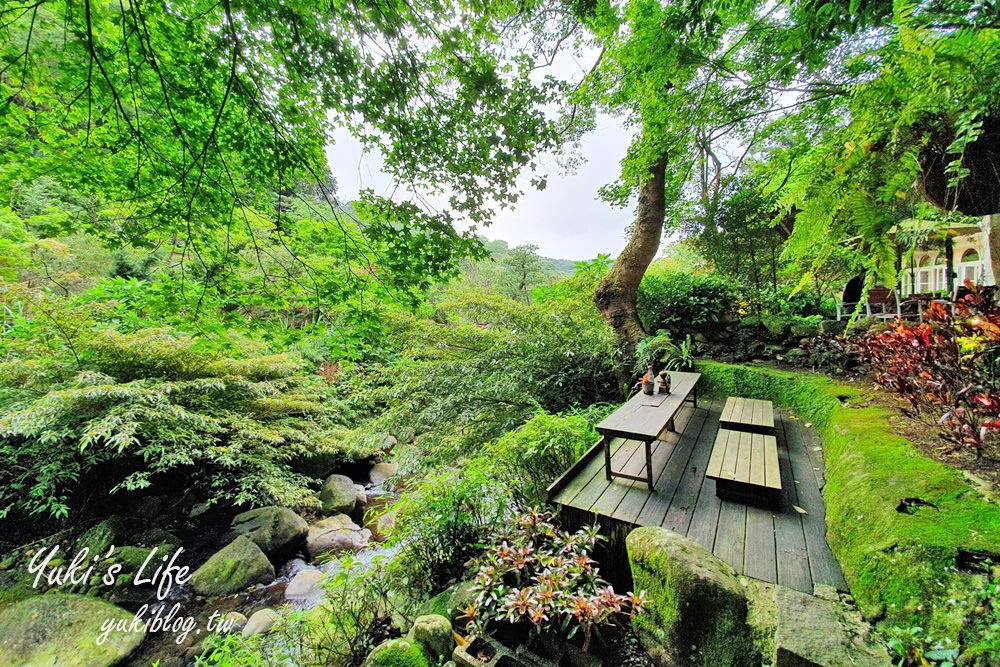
(816,632)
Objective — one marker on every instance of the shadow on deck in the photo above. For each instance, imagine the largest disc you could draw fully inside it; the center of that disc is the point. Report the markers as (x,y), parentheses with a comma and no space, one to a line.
(783,546)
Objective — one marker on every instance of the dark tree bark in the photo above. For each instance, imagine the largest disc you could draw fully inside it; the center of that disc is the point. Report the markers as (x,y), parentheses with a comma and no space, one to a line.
(977,193)
(615,294)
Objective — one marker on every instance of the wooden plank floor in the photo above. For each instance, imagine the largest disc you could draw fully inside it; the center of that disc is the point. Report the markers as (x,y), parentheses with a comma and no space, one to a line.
(781,546)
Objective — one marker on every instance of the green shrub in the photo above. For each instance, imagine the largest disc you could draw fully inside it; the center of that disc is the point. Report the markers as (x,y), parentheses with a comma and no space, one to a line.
(900,566)
(685,302)
(531,457)
(480,369)
(441,523)
(150,408)
(782,302)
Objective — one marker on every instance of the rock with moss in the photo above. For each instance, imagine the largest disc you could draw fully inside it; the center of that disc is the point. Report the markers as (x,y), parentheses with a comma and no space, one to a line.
(450,602)
(697,613)
(805,329)
(278,531)
(62,629)
(397,653)
(156,537)
(101,536)
(338,494)
(434,632)
(833,327)
(239,564)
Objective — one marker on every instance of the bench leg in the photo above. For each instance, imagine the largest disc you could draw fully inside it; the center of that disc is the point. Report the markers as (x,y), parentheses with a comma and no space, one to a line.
(670,426)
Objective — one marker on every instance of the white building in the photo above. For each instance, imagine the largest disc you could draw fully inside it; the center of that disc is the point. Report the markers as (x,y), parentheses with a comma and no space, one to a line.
(925,271)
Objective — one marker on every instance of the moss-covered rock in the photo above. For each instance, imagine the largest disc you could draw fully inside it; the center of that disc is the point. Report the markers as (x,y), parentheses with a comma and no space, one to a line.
(450,602)
(697,608)
(434,632)
(338,494)
(397,653)
(61,629)
(234,567)
(900,566)
(804,329)
(278,531)
(812,632)
(101,536)
(156,537)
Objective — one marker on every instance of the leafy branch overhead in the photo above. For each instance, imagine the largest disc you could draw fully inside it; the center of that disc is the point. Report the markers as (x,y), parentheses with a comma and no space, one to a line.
(181,119)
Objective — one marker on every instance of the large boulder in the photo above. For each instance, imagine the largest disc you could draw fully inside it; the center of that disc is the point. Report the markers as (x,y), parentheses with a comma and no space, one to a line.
(434,633)
(812,632)
(278,531)
(336,534)
(62,629)
(697,612)
(338,494)
(239,564)
(397,653)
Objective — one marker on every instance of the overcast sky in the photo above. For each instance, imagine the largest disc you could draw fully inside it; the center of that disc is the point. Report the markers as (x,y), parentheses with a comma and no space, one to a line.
(565,221)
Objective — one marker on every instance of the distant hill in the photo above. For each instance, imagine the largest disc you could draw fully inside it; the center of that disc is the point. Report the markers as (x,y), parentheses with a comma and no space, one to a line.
(559,268)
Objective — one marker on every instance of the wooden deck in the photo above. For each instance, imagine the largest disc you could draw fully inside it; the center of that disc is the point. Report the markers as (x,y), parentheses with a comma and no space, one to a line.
(781,546)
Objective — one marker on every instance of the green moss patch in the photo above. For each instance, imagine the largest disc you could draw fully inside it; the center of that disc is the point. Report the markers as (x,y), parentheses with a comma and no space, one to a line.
(900,566)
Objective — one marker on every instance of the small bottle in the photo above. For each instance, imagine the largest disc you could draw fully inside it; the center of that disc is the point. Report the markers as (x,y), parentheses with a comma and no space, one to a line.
(649,381)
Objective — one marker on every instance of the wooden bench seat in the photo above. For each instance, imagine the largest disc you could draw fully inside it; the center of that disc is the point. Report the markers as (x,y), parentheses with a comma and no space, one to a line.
(748,414)
(745,468)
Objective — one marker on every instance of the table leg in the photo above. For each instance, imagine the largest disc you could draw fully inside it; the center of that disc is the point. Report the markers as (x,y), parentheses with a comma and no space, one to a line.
(607,457)
(649,464)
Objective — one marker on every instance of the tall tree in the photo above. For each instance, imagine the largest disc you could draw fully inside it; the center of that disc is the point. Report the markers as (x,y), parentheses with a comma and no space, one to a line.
(676,72)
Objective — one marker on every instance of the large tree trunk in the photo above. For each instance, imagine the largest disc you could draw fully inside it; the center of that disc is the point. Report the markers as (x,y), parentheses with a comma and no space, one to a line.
(615,294)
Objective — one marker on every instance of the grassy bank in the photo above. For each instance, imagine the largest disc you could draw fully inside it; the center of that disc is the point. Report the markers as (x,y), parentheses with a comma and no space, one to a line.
(901,567)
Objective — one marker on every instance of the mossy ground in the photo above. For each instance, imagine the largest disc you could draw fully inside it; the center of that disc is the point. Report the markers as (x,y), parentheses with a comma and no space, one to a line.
(901,567)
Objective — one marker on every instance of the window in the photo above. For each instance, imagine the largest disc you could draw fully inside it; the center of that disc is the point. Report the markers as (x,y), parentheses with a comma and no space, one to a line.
(939,281)
(924,275)
(969,268)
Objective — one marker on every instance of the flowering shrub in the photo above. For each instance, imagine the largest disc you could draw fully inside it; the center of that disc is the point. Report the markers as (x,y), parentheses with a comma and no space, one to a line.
(546,577)
(947,362)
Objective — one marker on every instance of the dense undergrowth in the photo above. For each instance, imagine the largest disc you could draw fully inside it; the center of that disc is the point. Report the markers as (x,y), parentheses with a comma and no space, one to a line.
(902,567)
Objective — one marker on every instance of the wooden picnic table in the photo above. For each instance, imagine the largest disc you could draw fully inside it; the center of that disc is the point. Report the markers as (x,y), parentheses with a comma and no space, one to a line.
(644,417)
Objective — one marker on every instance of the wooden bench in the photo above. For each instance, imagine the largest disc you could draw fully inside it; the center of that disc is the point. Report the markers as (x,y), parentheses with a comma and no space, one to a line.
(644,417)
(748,414)
(745,468)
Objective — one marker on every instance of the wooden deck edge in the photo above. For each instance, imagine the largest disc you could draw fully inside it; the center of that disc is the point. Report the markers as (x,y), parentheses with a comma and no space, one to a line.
(557,486)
